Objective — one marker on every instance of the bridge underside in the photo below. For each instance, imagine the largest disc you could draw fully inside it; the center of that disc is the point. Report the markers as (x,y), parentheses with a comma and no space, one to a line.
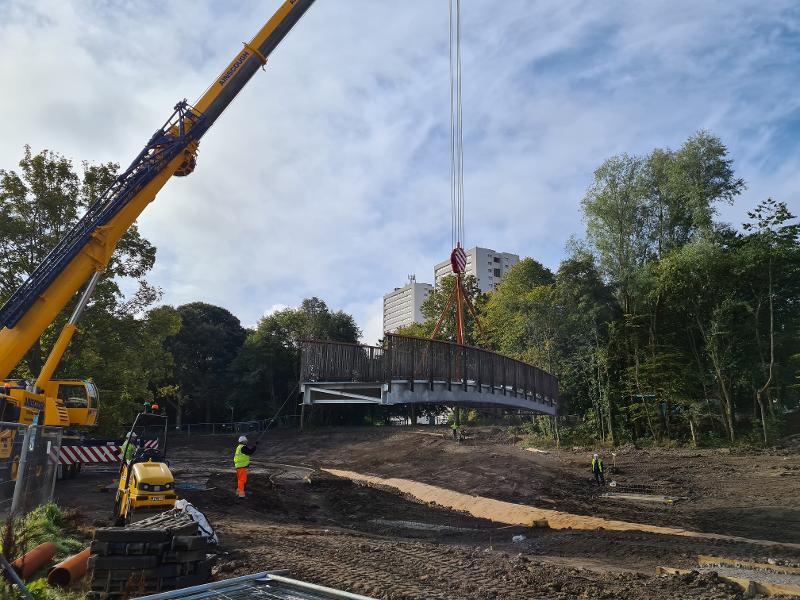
(402,392)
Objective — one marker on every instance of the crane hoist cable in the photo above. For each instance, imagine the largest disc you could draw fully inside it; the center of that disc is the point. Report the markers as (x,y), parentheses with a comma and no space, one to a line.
(459,299)
(456,128)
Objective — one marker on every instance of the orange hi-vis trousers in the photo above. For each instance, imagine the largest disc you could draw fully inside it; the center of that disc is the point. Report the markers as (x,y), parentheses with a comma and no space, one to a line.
(241,480)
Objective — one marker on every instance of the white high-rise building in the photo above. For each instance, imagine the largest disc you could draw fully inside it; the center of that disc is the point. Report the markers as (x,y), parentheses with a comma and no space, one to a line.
(487,266)
(403,306)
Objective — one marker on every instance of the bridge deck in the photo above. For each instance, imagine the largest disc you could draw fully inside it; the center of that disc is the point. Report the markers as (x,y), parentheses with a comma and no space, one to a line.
(408,370)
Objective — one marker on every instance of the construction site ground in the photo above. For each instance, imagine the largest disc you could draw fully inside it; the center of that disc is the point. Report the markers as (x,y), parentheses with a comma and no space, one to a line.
(374,541)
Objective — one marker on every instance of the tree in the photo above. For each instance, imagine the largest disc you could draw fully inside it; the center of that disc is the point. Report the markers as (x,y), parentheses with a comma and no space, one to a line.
(38,205)
(521,315)
(683,187)
(266,370)
(208,341)
(701,176)
(588,305)
(617,216)
(697,281)
(125,356)
(771,266)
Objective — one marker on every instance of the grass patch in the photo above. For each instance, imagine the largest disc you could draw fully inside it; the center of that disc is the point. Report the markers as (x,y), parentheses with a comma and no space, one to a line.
(48,523)
(40,591)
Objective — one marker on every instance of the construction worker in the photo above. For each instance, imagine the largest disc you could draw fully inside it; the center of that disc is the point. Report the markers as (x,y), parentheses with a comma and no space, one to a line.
(128,447)
(597,469)
(241,460)
(454,427)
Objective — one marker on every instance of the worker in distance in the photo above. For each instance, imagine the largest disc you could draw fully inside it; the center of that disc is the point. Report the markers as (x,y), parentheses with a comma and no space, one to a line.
(597,469)
(241,461)
(129,446)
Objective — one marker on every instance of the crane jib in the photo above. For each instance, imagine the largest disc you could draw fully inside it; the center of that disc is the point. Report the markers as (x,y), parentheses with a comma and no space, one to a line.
(237,63)
(247,63)
(185,126)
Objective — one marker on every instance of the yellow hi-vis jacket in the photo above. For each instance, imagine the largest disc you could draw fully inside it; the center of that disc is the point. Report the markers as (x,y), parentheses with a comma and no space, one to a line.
(597,465)
(128,450)
(240,459)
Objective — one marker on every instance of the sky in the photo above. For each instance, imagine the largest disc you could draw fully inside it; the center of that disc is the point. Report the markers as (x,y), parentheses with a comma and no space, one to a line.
(329,175)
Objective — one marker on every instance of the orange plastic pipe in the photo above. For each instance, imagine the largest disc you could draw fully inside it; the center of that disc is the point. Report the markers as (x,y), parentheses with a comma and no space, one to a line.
(70,570)
(27,564)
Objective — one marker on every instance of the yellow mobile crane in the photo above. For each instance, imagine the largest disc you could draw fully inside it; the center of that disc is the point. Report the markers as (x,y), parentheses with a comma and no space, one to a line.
(82,255)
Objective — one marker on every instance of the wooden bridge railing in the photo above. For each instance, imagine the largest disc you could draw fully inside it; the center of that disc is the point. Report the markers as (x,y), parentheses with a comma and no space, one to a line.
(419,361)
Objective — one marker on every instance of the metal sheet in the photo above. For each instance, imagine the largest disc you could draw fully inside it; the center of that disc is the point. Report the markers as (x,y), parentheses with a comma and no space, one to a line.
(266,585)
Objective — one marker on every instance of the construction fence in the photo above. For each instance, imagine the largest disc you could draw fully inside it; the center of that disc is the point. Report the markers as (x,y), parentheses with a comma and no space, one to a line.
(234,428)
(28,466)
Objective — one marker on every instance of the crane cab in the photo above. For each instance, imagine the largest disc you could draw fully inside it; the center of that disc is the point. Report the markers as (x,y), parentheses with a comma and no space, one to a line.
(79,398)
(65,402)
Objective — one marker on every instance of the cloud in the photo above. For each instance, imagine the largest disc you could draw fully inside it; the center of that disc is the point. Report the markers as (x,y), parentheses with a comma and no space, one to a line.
(329,175)
(275,308)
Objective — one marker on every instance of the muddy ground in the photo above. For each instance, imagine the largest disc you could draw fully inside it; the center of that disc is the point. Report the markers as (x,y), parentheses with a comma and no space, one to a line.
(375,542)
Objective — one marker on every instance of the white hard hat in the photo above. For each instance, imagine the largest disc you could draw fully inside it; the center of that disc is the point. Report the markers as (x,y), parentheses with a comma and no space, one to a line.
(242,439)
(595,454)
(131,434)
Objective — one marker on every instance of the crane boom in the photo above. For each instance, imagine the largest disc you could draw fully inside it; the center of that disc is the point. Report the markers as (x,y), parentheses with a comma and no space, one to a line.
(88,246)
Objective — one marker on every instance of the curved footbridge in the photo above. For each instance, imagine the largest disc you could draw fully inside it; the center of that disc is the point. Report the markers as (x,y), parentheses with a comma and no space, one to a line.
(409,370)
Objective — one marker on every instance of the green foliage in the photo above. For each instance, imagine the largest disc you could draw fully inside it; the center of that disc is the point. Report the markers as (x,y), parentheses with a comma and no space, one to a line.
(40,591)
(38,204)
(265,371)
(202,350)
(666,326)
(708,314)
(423,330)
(48,523)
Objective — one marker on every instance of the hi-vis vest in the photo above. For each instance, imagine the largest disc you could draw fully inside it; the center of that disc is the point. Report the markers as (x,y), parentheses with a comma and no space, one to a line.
(128,450)
(240,459)
(599,463)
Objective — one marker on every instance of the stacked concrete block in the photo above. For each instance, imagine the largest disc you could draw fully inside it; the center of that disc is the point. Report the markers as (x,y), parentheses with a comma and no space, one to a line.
(161,553)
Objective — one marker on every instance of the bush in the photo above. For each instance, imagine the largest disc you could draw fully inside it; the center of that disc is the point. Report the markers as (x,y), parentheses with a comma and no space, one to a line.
(46,524)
